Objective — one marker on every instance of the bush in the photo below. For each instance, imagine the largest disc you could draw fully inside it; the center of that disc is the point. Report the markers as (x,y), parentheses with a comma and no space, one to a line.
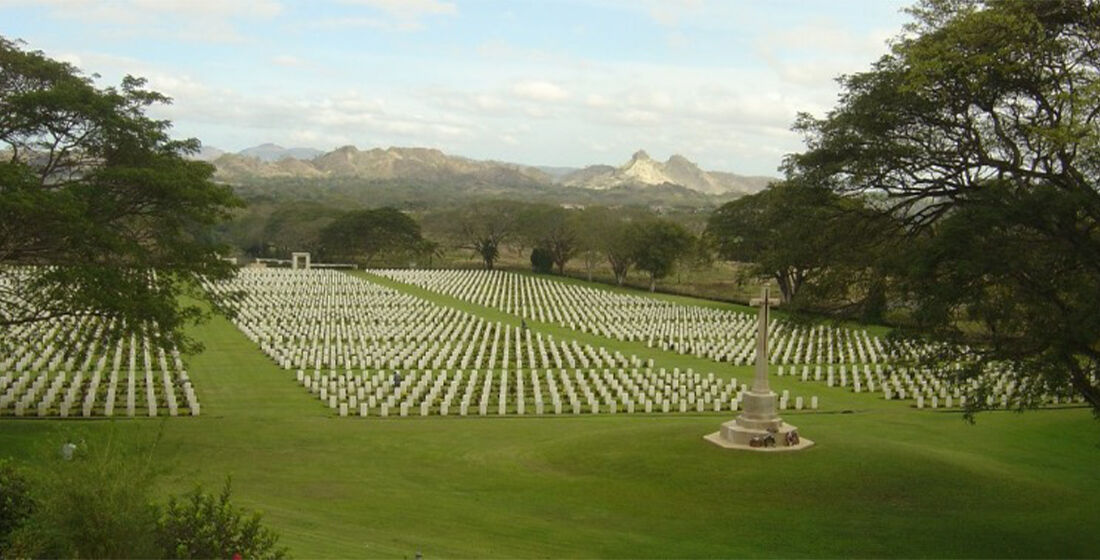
(16,504)
(97,505)
(542,261)
(206,526)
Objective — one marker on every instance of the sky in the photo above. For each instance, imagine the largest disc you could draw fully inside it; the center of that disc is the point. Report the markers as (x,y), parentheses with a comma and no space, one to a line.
(553,82)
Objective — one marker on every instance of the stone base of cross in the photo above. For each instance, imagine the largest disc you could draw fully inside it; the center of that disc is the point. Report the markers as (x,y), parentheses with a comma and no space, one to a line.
(759,427)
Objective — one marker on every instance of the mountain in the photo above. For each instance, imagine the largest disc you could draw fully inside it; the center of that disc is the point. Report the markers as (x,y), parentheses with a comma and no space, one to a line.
(427,167)
(421,165)
(556,173)
(207,153)
(678,170)
(273,152)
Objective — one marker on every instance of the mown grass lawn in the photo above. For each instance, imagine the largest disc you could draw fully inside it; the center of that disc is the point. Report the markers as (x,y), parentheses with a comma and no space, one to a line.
(883,480)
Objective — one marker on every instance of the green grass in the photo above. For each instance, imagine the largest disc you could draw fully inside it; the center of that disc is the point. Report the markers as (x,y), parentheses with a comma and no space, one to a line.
(884,480)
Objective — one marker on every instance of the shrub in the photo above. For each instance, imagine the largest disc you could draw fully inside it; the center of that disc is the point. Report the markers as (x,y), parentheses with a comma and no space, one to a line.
(97,505)
(202,525)
(16,504)
(542,261)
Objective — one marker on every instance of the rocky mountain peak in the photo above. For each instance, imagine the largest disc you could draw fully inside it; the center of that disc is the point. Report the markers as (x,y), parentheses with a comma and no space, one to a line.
(432,166)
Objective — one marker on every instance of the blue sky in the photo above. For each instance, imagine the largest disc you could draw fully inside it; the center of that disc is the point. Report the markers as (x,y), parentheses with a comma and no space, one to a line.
(565,82)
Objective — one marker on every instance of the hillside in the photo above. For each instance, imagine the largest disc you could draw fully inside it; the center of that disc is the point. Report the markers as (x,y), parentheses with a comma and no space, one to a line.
(678,170)
(427,167)
(909,483)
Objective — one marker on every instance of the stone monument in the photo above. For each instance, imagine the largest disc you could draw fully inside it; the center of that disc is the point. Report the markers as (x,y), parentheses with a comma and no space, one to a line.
(759,427)
(302,257)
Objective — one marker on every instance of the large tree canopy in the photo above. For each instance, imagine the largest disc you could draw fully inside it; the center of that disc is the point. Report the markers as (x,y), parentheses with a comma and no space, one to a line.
(780,230)
(658,246)
(552,229)
(365,235)
(483,226)
(824,250)
(99,210)
(981,128)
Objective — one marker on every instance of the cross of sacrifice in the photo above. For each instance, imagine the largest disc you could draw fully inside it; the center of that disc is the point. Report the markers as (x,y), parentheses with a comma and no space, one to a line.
(760,380)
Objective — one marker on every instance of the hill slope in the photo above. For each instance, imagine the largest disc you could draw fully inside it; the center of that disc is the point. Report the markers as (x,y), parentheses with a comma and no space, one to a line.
(428,166)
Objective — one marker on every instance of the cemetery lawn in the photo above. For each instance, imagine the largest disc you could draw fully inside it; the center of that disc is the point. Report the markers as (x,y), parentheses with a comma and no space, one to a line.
(885,480)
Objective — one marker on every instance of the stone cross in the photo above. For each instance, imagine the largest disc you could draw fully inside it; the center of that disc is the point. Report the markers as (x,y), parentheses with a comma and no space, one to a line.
(760,380)
(759,424)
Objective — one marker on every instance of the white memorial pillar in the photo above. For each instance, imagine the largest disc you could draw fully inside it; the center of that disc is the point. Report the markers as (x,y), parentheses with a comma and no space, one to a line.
(759,426)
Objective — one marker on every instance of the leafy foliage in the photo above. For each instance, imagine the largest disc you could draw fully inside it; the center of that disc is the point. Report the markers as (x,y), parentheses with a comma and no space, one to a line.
(97,505)
(203,525)
(16,503)
(96,195)
(551,229)
(482,226)
(658,246)
(781,230)
(981,127)
(297,227)
(828,252)
(542,261)
(365,235)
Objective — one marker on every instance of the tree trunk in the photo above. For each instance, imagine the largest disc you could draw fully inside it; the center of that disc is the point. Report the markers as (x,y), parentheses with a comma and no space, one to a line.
(784,286)
(1082,384)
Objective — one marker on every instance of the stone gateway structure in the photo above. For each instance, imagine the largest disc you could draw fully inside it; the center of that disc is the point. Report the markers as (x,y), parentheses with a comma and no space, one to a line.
(300,258)
(759,427)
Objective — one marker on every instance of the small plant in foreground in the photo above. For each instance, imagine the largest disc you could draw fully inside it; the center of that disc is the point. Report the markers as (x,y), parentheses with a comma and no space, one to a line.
(202,525)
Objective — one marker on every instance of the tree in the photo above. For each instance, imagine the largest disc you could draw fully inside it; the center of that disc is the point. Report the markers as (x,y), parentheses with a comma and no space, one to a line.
(980,127)
(779,230)
(620,246)
(206,526)
(297,226)
(364,235)
(658,246)
(551,229)
(824,250)
(484,226)
(542,262)
(591,225)
(95,195)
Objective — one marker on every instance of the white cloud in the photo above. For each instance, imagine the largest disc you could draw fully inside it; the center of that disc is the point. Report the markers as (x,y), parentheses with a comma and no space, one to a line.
(393,15)
(188,20)
(409,9)
(670,13)
(348,22)
(816,52)
(825,34)
(541,91)
(288,60)
(596,100)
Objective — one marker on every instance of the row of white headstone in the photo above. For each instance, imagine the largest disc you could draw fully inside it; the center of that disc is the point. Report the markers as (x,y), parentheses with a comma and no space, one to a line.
(357,324)
(819,353)
(324,320)
(926,389)
(722,335)
(64,368)
(529,392)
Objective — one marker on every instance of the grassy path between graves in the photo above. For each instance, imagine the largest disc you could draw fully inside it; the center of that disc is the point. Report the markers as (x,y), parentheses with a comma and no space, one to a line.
(831,399)
(884,481)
